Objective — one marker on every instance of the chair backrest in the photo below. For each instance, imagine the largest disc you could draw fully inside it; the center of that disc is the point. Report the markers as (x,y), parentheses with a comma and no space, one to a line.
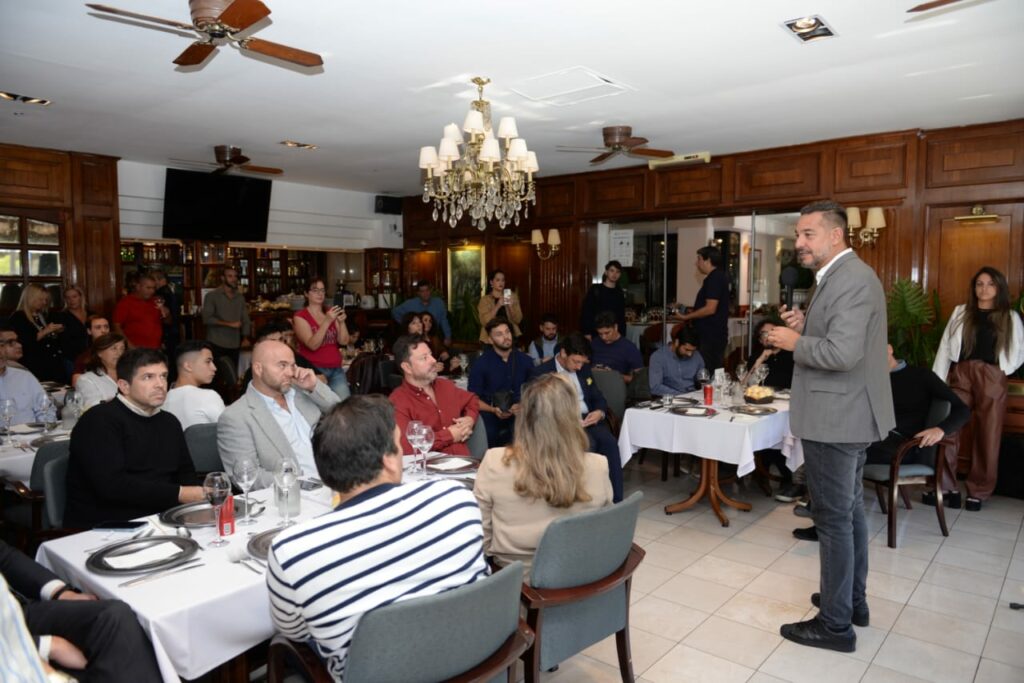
(47,452)
(202,446)
(55,478)
(440,636)
(385,368)
(477,442)
(938,411)
(613,388)
(640,388)
(364,374)
(579,549)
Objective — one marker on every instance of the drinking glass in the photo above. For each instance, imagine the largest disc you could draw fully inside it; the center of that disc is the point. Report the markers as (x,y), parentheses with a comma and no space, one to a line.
(45,411)
(412,435)
(7,408)
(286,477)
(741,371)
(245,473)
(702,377)
(425,443)
(217,488)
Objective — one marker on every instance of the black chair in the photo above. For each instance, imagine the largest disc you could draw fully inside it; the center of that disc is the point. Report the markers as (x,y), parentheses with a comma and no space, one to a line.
(202,446)
(55,478)
(28,514)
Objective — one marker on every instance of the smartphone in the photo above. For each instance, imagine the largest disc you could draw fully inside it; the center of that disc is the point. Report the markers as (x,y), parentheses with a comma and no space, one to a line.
(120,526)
(309,485)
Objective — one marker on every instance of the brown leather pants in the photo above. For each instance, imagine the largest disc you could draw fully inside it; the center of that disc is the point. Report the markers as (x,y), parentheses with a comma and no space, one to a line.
(983,388)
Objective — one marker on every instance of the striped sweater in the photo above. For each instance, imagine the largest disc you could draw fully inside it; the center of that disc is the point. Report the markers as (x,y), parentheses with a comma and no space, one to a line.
(389,543)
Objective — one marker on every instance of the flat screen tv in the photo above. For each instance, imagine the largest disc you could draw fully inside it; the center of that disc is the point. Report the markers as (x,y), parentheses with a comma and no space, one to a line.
(215,207)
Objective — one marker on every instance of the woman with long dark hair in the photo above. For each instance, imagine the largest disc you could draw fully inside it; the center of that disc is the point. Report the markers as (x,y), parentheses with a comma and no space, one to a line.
(778,362)
(984,343)
(98,383)
(499,302)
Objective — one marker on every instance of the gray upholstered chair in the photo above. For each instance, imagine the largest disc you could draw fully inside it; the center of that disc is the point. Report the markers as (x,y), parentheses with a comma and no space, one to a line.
(478,440)
(613,388)
(640,388)
(202,446)
(27,513)
(55,479)
(579,586)
(471,633)
(888,479)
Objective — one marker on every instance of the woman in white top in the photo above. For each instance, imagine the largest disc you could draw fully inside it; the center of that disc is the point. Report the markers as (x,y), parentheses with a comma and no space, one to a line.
(98,384)
(984,343)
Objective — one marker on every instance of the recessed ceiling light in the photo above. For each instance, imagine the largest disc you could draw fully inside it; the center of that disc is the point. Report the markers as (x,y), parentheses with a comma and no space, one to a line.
(807,29)
(9,96)
(298,145)
(12,97)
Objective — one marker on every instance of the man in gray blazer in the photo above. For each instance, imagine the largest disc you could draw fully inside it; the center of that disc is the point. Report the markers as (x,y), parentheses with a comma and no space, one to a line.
(841,402)
(275,417)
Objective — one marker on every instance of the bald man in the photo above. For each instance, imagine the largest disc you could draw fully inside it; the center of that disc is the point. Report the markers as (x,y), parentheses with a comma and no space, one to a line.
(276,416)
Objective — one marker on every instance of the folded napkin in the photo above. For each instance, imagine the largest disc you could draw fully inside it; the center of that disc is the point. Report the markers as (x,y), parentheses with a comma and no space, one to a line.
(739,417)
(25,429)
(450,464)
(153,553)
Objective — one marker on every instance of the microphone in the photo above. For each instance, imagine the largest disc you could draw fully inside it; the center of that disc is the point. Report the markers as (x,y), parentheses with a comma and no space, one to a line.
(789,278)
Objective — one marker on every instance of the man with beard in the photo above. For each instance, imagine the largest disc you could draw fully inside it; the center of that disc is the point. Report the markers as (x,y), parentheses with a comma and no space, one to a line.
(226,316)
(95,327)
(673,367)
(129,458)
(497,378)
(276,416)
(436,402)
(545,346)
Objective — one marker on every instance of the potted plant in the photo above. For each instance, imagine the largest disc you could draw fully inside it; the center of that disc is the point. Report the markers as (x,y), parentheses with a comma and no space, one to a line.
(915,326)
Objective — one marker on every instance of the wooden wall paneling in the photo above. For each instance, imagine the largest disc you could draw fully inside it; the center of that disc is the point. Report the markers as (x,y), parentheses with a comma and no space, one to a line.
(93,259)
(555,199)
(768,177)
(687,187)
(613,194)
(422,263)
(994,157)
(514,257)
(98,245)
(883,166)
(34,177)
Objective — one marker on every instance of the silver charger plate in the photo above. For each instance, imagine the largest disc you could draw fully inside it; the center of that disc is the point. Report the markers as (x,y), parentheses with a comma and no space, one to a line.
(754,410)
(97,562)
(259,545)
(198,515)
(49,438)
(24,429)
(694,411)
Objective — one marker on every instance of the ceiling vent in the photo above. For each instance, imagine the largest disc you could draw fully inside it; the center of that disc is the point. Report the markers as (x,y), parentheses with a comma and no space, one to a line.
(680,160)
(569,86)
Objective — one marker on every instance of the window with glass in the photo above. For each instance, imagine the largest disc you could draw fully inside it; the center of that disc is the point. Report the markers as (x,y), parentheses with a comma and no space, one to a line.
(30,251)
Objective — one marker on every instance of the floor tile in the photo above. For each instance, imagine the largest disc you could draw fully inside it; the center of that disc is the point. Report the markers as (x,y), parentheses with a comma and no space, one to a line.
(969,559)
(683,663)
(646,648)
(794,590)
(725,572)
(733,641)
(649,528)
(921,549)
(799,664)
(761,677)
(869,640)
(964,580)
(890,587)
(879,674)
(926,660)
(664,617)
(981,543)
(1016,570)
(669,556)
(692,540)
(882,560)
(942,629)
(797,565)
(761,612)
(709,523)
(884,612)
(968,525)
(990,671)
(648,577)
(759,533)
(696,593)
(953,603)
(1005,646)
(583,669)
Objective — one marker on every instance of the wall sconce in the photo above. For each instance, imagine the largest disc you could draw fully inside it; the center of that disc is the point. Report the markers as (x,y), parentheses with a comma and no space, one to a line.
(864,234)
(553,243)
(978,215)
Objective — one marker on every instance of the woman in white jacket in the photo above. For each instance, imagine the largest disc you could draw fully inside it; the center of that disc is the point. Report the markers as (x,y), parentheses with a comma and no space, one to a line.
(984,343)
(99,383)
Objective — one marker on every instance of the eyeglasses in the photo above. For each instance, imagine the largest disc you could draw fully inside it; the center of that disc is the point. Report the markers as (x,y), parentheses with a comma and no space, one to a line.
(317,290)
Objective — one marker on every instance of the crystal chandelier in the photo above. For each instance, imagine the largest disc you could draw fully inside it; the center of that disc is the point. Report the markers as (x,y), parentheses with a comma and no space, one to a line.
(487,179)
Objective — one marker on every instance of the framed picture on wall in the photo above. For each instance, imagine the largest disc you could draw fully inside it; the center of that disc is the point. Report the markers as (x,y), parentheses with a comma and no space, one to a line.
(466,280)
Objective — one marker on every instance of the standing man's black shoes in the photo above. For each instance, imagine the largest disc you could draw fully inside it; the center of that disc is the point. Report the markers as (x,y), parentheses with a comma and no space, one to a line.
(861,615)
(813,633)
(808,534)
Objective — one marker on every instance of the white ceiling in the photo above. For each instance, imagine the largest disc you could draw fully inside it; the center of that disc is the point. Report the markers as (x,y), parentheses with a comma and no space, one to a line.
(721,76)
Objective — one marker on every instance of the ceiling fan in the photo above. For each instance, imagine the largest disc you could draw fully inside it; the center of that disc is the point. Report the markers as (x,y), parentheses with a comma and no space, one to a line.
(230,158)
(218,22)
(931,5)
(619,139)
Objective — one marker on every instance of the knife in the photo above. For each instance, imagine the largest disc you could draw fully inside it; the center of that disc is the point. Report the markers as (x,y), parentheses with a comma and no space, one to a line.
(191,564)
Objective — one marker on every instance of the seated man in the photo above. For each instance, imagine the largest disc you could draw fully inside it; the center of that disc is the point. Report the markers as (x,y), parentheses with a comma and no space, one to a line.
(382,542)
(280,330)
(612,350)
(273,420)
(544,347)
(496,378)
(95,640)
(436,402)
(129,458)
(95,327)
(188,401)
(20,384)
(572,359)
(673,367)
(10,346)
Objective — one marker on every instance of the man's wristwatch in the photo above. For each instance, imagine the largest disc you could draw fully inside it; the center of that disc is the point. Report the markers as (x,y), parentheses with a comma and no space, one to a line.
(62,590)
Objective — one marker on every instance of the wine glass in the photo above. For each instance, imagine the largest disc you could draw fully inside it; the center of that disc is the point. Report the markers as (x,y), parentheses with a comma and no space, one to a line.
(7,408)
(425,443)
(412,435)
(217,488)
(286,477)
(45,411)
(702,377)
(245,472)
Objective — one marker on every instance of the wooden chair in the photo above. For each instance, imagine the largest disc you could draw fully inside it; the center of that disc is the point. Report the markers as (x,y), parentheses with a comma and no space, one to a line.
(28,514)
(470,633)
(579,586)
(889,479)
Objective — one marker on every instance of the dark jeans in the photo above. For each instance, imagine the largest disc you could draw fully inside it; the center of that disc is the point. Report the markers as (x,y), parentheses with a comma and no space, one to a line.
(834,473)
(713,353)
(499,432)
(603,442)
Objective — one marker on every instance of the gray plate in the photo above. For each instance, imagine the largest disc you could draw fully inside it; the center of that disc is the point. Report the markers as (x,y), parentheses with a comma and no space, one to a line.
(753,410)
(259,545)
(692,411)
(49,438)
(198,515)
(97,562)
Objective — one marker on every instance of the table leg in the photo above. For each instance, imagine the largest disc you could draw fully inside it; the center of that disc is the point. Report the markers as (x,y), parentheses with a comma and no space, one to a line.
(709,487)
(702,490)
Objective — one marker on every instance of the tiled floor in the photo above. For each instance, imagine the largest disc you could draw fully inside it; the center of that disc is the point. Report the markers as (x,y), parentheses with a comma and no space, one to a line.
(708,601)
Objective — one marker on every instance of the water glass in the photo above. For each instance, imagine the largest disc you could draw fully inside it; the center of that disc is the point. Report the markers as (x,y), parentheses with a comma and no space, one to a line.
(245,472)
(45,411)
(286,479)
(425,443)
(217,488)
(7,408)
(413,432)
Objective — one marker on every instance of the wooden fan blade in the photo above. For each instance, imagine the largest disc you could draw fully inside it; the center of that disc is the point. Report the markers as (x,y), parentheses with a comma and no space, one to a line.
(931,5)
(644,152)
(239,159)
(241,14)
(564,148)
(260,169)
(288,54)
(634,142)
(194,54)
(601,157)
(143,17)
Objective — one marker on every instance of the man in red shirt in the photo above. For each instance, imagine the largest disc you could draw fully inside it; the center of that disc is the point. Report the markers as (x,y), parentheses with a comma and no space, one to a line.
(436,402)
(138,317)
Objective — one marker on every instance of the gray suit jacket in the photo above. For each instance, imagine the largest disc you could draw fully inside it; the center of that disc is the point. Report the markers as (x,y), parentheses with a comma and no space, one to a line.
(841,391)
(247,428)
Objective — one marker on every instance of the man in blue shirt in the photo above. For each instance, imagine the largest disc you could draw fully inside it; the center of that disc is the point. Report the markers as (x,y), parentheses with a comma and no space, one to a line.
(673,367)
(544,347)
(612,350)
(497,378)
(710,311)
(423,301)
(21,386)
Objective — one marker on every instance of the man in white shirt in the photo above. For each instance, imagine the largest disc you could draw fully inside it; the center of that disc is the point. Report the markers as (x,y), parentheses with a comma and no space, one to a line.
(275,417)
(188,401)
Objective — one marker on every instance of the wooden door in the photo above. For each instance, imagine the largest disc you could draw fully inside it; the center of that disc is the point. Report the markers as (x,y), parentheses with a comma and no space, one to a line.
(513,258)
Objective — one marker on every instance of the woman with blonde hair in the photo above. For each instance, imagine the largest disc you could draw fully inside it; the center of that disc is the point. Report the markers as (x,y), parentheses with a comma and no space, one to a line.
(74,340)
(545,474)
(40,340)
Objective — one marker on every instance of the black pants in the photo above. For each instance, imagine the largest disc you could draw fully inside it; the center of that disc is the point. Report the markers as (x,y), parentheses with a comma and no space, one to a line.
(713,353)
(219,351)
(106,631)
(603,442)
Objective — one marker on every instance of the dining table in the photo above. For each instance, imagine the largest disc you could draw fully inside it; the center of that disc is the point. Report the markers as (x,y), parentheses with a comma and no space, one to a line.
(16,458)
(723,436)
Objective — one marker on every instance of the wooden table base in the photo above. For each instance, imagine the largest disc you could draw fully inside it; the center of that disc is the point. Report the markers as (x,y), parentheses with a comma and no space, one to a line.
(710,489)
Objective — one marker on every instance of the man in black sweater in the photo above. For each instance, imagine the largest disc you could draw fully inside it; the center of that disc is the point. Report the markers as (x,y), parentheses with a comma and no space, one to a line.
(604,297)
(128,458)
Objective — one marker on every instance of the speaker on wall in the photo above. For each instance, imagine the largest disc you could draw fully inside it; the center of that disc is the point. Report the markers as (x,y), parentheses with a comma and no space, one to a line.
(391,205)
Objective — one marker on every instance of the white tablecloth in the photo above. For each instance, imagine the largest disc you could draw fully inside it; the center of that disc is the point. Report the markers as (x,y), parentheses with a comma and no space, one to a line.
(15,462)
(718,438)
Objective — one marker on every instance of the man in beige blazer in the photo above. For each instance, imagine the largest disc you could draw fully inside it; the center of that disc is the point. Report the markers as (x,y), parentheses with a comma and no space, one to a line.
(841,402)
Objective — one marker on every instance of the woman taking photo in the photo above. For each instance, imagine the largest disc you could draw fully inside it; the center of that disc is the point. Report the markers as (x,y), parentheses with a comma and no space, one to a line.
(545,474)
(984,343)
(40,340)
(499,302)
(98,384)
(320,331)
(75,337)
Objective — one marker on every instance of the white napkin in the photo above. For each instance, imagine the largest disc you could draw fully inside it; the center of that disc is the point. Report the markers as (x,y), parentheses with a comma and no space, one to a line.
(24,429)
(450,464)
(744,418)
(153,553)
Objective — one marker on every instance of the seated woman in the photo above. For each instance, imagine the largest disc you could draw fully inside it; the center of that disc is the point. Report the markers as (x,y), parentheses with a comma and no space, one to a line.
(98,384)
(545,474)
(449,363)
(778,362)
